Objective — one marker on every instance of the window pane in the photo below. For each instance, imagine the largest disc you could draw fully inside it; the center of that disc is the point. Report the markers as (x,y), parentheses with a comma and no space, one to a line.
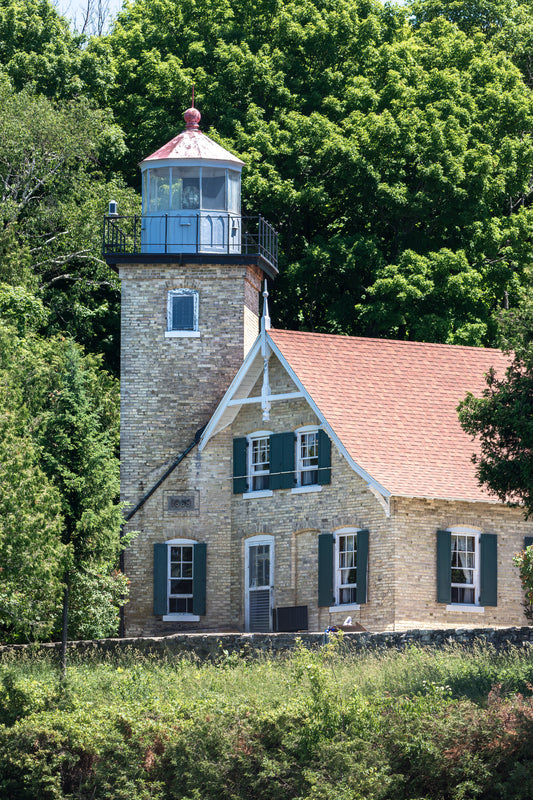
(182,312)
(159,187)
(185,187)
(180,605)
(347,596)
(234,191)
(213,188)
(181,586)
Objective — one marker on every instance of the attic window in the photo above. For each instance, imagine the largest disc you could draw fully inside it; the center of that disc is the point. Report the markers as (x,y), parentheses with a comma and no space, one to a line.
(182,313)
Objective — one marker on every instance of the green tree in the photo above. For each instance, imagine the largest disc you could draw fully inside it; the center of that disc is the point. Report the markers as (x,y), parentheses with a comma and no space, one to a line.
(502,418)
(60,520)
(524,562)
(32,555)
(76,428)
(38,50)
(54,191)
(392,152)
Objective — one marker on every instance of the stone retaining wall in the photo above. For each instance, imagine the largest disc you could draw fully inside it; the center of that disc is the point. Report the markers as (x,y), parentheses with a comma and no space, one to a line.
(210,645)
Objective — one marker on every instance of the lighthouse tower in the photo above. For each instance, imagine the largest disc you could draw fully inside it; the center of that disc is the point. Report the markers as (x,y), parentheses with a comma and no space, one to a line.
(191,270)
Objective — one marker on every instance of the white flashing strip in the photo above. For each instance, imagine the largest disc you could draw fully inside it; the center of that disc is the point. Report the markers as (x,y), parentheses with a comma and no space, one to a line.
(242,401)
(372,483)
(181,618)
(211,427)
(470,609)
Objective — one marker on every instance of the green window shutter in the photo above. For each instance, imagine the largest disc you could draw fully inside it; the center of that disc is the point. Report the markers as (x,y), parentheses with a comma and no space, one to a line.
(239,465)
(325,569)
(199,578)
(488,578)
(160,579)
(362,566)
(444,567)
(282,460)
(528,541)
(324,458)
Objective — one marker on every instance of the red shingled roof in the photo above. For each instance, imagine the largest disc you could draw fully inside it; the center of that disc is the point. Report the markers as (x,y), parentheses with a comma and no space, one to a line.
(393,406)
(193,144)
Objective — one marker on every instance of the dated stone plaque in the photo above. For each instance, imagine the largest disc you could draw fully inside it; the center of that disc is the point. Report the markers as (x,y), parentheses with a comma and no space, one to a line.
(183,502)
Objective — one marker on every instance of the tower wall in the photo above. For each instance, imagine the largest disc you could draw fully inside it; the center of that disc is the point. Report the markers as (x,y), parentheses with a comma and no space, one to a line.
(171,386)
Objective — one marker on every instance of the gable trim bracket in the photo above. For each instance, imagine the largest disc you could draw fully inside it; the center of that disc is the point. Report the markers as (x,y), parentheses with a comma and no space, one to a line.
(383,500)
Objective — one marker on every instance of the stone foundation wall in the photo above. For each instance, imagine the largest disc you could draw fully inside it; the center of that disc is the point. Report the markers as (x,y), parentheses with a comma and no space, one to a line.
(208,646)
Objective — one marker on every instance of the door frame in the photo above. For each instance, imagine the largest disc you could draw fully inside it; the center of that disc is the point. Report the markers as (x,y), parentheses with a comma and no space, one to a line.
(253,541)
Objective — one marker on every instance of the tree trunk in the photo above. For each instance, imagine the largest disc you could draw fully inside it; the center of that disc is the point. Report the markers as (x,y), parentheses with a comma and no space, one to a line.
(64,632)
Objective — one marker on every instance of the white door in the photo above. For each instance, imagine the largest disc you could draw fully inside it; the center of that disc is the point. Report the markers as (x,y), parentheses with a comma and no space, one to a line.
(259,578)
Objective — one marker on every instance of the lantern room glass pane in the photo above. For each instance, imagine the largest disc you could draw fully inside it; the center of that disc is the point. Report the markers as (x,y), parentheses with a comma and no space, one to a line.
(234,191)
(185,188)
(159,188)
(145,191)
(214,188)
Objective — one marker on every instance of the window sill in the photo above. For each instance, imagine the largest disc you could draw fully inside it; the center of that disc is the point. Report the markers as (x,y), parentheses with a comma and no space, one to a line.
(182,334)
(261,493)
(466,607)
(347,607)
(181,618)
(315,487)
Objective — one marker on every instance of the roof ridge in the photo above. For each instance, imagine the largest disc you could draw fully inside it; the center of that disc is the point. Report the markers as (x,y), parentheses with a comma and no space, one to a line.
(375,339)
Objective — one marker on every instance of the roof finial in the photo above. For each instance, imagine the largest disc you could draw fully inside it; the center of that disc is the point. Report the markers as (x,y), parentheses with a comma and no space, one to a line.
(192,116)
(265,319)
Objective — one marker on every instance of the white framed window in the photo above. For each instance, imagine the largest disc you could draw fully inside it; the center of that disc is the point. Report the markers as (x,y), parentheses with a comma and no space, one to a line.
(307,456)
(259,461)
(465,566)
(346,567)
(180,578)
(182,313)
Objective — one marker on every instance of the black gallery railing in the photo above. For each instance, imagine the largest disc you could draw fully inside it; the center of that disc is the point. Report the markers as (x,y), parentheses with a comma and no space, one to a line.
(202,232)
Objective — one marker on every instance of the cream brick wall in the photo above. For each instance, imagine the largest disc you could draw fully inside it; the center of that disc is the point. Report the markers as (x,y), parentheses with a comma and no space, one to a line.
(415,523)
(169,389)
(295,521)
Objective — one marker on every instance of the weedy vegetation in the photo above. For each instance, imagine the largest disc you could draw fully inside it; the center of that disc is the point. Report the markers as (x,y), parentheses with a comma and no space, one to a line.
(422,724)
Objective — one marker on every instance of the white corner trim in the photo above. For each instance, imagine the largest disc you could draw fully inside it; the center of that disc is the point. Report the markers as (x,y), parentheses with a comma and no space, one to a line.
(347,607)
(468,608)
(325,424)
(182,334)
(181,618)
(313,487)
(259,493)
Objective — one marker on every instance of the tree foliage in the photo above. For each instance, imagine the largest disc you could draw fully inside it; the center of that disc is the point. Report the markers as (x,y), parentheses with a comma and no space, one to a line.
(393,153)
(502,418)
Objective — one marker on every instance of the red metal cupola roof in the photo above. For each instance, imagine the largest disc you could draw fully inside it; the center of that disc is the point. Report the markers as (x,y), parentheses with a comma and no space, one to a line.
(192,144)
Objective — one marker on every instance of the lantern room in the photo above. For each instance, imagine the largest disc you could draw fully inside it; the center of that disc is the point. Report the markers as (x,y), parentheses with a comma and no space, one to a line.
(191,195)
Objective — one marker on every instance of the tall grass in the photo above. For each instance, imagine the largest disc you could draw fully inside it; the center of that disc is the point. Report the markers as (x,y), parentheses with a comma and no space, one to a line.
(443,724)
